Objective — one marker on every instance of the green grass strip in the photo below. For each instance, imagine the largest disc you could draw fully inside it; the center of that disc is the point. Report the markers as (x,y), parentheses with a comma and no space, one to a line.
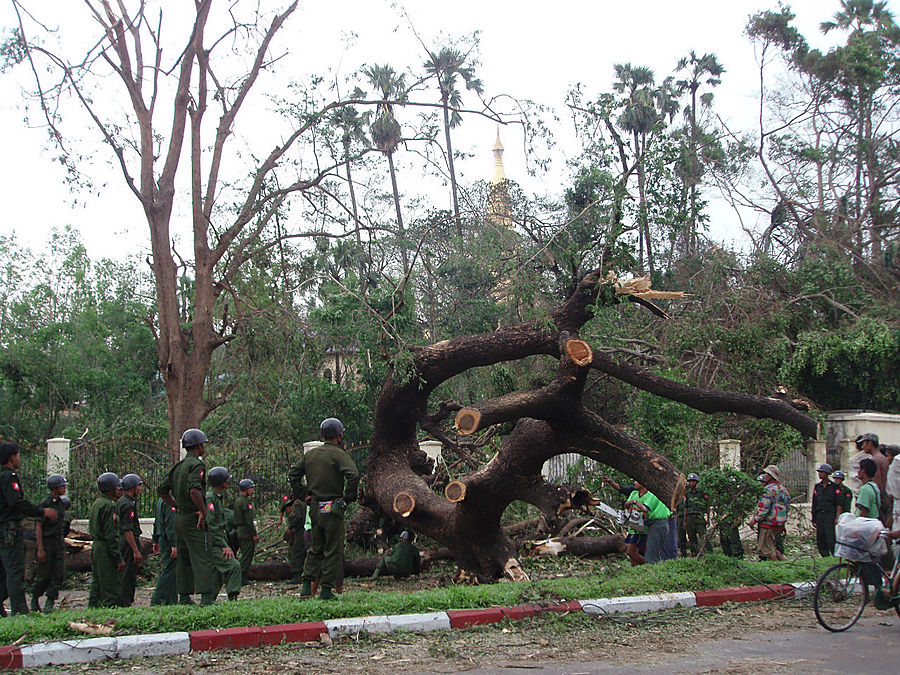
(710,572)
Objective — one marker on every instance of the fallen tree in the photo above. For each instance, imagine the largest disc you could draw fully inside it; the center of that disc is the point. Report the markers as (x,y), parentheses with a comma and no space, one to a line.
(549,421)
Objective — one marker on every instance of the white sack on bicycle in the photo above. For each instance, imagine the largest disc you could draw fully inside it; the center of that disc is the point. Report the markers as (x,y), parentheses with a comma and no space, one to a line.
(859,538)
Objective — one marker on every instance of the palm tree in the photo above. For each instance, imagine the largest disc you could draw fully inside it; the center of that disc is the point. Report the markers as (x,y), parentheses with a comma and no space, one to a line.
(638,117)
(701,71)
(386,131)
(352,125)
(446,66)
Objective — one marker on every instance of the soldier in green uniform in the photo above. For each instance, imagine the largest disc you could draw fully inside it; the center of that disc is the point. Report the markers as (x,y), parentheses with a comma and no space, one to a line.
(165,544)
(224,565)
(51,549)
(130,526)
(245,523)
(14,507)
(696,512)
(843,493)
(403,561)
(331,482)
(184,488)
(106,554)
(295,536)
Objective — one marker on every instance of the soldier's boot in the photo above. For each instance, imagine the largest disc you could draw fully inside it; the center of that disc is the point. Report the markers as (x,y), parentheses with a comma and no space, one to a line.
(326,594)
(305,589)
(35,604)
(185,599)
(2,610)
(314,588)
(233,595)
(48,606)
(207,599)
(244,580)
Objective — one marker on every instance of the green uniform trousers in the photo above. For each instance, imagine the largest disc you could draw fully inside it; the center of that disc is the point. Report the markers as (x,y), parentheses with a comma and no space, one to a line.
(225,570)
(106,583)
(297,552)
(326,551)
(730,539)
(166,592)
(194,570)
(12,557)
(824,534)
(51,573)
(247,548)
(129,578)
(31,563)
(695,528)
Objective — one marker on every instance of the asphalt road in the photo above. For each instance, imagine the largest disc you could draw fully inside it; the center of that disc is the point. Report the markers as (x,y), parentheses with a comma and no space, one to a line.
(871,646)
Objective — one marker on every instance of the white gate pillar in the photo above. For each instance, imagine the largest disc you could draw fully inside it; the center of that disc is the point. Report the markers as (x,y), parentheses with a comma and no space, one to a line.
(815,455)
(730,453)
(58,456)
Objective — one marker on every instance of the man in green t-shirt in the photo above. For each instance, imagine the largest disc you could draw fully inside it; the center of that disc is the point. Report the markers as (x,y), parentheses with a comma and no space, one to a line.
(868,499)
(656,519)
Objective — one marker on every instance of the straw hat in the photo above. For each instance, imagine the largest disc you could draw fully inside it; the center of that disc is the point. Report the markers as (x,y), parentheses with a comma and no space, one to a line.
(772,470)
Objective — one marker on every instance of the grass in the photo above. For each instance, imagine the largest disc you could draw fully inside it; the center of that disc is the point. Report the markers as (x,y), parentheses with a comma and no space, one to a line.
(712,571)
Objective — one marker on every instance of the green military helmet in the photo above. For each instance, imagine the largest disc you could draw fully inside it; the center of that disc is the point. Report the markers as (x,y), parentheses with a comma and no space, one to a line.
(192,438)
(108,481)
(246,484)
(693,477)
(762,478)
(839,474)
(218,475)
(56,480)
(824,468)
(131,480)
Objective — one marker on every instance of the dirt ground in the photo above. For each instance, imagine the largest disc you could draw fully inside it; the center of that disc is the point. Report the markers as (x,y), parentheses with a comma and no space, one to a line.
(574,637)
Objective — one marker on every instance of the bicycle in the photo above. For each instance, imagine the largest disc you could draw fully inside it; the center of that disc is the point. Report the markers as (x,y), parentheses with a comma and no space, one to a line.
(842,592)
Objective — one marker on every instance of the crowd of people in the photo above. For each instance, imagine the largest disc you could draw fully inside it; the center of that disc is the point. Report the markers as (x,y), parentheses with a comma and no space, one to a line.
(203,545)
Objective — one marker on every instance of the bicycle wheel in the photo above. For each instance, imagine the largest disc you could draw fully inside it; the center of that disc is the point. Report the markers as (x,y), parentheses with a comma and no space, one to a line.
(895,591)
(840,597)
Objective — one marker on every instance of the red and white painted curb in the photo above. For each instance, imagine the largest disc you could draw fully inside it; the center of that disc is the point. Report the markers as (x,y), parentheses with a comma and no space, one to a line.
(160,644)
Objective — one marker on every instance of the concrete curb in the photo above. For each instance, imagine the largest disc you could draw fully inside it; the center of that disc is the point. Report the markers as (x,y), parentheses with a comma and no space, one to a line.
(159,644)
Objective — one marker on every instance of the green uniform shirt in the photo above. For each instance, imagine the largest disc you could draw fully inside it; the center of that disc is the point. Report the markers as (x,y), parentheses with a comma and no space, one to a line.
(104,525)
(845,495)
(244,516)
(405,559)
(187,474)
(696,503)
(53,529)
(164,523)
(13,505)
(216,523)
(869,497)
(330,473)
(128,518)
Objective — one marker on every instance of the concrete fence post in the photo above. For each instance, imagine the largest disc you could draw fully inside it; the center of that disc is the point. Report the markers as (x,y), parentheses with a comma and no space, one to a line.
(309,445)
(848,449)
(730,453)
(58,456)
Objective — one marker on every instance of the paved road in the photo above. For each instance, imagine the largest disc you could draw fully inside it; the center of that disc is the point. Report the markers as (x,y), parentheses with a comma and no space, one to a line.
(871,646)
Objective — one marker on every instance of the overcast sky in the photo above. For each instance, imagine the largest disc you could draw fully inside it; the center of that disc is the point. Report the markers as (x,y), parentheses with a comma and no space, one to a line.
(529,49)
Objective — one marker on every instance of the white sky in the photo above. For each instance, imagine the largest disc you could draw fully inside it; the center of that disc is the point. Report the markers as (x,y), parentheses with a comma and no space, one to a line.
(529,49)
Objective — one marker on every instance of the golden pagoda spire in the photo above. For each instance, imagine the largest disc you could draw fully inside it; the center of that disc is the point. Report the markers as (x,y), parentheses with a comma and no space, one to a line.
(499,212)
(499,174)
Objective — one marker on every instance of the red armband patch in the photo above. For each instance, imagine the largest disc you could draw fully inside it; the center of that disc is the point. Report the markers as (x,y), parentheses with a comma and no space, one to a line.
(15,486)
(131,515)
(250,506)
(211,507)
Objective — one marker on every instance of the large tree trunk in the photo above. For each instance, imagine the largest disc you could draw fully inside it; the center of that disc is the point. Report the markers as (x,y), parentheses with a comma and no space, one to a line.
(548,421)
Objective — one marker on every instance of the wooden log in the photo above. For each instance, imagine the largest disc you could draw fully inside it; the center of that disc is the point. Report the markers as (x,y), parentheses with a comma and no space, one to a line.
(467,421)
(583,547)
(404,504)
(455,491)
(579,351)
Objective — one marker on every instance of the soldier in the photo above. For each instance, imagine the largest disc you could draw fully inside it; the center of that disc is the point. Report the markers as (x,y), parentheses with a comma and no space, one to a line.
(184,488)
(843,492)
(244,521)
(130,526)
(51,549)
(107,564)
(696,511)
(825,507)
(332,480)
(295,536)
(403,561)
(14,507)
(166,545)
(224,565)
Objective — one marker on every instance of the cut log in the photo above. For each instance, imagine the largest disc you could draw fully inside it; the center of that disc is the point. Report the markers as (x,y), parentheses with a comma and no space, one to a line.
(583,547)
(404,504)
(579,351)
(467,421)
(455,491)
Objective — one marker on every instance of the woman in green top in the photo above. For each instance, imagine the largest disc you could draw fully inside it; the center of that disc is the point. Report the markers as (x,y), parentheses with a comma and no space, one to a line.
(656,518)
